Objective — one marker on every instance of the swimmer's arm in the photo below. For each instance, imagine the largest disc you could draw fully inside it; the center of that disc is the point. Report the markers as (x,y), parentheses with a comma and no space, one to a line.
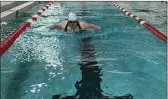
(56,26)
(92,26)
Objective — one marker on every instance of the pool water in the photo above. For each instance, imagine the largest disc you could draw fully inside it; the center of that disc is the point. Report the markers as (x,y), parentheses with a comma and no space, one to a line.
(43,62)
(154,13)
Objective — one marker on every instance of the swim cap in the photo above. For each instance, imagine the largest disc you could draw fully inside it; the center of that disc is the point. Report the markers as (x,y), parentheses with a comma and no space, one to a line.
(72,17)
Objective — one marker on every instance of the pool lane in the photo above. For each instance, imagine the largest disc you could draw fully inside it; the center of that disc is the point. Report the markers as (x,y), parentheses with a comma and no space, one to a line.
(130,58)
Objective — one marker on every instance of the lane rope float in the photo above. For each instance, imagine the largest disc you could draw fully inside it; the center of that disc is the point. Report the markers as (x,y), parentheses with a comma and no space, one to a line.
(144,23)
(10,39)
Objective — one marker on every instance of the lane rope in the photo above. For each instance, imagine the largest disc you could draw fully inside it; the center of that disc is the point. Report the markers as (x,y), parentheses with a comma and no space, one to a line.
(11,38)
(144,23)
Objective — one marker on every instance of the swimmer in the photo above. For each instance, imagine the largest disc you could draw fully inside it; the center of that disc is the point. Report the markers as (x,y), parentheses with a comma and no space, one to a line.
(73,23)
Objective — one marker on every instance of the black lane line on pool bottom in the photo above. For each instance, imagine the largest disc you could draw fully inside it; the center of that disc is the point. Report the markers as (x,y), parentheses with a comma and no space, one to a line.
(89,86)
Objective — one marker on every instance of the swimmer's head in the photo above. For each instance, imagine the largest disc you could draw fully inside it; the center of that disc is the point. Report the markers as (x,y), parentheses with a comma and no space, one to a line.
(72,16)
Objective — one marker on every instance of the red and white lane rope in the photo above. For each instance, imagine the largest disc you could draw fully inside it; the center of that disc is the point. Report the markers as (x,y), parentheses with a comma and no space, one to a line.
(144,23)
(10,39)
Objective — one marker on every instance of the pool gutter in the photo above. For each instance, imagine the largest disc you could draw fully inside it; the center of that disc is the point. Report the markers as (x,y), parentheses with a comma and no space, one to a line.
(9,11)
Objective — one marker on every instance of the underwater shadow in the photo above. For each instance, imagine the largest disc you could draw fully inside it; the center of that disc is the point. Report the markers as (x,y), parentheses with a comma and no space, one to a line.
(89,87)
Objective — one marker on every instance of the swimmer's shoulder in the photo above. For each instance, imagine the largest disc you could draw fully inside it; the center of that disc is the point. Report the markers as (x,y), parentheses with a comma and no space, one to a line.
(62,24)
(83,24)
(86,25)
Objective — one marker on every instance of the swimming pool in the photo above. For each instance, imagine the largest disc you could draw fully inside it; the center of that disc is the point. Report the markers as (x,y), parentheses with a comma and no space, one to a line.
(42,62)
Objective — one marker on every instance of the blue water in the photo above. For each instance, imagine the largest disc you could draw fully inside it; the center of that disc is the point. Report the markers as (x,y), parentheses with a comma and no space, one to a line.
(42,62)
